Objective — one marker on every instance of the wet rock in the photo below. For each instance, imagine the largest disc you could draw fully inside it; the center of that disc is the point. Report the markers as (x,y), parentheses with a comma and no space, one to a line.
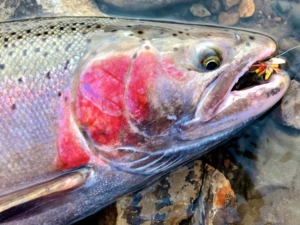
(282,6)
(246,8)
(267,10)
(277,19)
(288,43)
(228,19)
(70,7)
(295,16)
(290,106)
(199,10)
(143,4)
(193,194)
(8,8)
(229,3)
(213,6)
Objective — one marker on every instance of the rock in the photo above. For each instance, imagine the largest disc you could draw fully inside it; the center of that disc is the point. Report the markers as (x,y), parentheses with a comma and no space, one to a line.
(228,19)
(213,6)
(295,16)
(229,3)
(70,7)
(282,6)
(133,5)
(192,194)
(8,8)
(267,10)
(288,43)
(277,19)
(290,107)
(199,10)
(246,8)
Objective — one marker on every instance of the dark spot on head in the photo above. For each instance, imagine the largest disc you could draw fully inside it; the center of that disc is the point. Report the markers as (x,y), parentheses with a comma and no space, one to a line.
(62,28)
(208,35)
(247,44)
(130,35)
(20,80)
(88,40)
(37,50)
(88,26)
(38,34)
(19,37)
(67,64)
(82,23)
(24,52)
(5,46)
(128,26)
(2,66)
(180,32)
(113,30)
(251,37)
(6,39)
(187,34)
(59,36)
(52,27)
(68,47)
(13,106)
(175,49)
(98,26)
(134,56)
(59,94)
(28,31)
(48,75)
(46,33)
(174,35)
(74,24)
(140,32)
(73,28)
(45,54)
(147,47)
(12,33)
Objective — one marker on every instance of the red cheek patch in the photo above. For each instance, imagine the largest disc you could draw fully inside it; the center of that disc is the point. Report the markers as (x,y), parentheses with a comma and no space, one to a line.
(70,150)
(100,103)
(144,70)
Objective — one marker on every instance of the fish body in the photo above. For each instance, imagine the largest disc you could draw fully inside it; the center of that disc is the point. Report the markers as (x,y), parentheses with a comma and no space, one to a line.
(93,108)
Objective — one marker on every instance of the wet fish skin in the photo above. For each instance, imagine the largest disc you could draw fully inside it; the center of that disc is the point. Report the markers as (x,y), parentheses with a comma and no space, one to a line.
(42,63)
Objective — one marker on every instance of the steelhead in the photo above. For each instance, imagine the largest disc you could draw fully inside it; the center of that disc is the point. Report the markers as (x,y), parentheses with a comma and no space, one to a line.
(92,109)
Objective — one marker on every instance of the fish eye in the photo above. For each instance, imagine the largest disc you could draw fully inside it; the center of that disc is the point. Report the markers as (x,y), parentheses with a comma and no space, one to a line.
(211,62)
(208,57)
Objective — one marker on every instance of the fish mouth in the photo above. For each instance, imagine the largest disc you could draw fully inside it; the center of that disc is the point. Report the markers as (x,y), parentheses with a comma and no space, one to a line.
(227,103)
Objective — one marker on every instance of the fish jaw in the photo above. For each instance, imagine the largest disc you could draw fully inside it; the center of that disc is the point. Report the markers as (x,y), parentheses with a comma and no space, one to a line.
(221,108)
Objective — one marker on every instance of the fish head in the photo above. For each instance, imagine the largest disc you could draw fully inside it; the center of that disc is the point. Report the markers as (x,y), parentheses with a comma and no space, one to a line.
(141,98)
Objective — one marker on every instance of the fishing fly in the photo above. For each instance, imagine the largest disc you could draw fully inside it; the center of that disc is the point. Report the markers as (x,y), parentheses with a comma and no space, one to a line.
(267,68)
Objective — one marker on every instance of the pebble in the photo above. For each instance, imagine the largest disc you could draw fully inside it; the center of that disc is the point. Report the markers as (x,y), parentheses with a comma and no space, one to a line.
(295,16)
(199,10)
(229,3)
(134,5)
(290,106)
(246,8)
(8,8)
(213,6)
(288,43)
(283,6)
(228,19)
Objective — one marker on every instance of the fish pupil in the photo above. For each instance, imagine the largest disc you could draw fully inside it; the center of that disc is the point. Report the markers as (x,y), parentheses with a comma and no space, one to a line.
(211,65)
